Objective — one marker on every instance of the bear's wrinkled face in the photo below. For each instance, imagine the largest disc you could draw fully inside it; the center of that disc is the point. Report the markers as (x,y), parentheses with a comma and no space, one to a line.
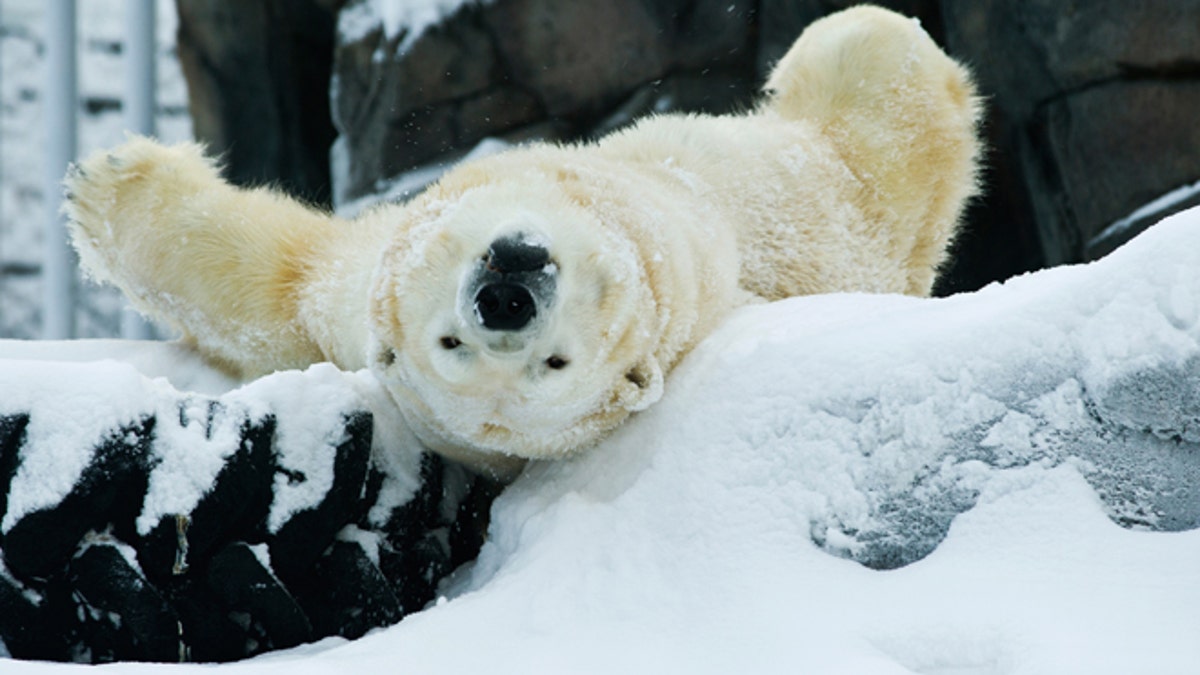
(513,325)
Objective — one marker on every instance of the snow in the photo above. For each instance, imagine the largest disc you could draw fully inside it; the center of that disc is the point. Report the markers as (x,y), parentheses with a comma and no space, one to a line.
(69,422)
(1000,435)
(182,367)
(190,457)
(408,19)
(306,440)
(1171,199)
(403,186)
(71,419)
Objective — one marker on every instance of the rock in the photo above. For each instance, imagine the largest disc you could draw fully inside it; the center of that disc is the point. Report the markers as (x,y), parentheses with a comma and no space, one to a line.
(1047,48)
(250,592)
(27,629)
(1091,111)
(12,437)
(416,568)
(207,629)
(508,69)
(710,35)
(538,41)
(395,111)
(354,596)
(122,617)
(297,545)
(1091,140)
(258,88)
(235,508)
(107,493)
(440,528)
(287,542)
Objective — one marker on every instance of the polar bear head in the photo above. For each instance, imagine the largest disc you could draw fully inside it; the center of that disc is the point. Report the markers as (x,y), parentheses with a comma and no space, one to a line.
(509,319)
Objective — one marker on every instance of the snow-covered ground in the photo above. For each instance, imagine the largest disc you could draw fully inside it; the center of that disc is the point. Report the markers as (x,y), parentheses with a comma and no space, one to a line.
(1024,461)
(722,530)
(101,75)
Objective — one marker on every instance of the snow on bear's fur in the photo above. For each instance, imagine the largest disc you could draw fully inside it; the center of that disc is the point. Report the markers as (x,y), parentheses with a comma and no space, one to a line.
(528,302)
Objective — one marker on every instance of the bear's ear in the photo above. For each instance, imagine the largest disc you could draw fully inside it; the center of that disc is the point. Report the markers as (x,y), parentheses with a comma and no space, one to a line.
(646,384)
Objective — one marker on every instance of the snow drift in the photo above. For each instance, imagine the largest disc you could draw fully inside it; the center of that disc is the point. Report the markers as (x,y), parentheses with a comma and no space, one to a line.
(1001,482)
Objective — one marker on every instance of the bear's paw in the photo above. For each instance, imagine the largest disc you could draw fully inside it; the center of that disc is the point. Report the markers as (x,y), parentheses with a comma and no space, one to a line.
(113,198)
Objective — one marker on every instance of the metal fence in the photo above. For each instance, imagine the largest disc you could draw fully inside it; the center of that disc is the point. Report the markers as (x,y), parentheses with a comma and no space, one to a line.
(62,102)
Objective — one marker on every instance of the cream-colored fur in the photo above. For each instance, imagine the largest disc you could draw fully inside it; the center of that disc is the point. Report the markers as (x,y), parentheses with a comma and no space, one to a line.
(850,176)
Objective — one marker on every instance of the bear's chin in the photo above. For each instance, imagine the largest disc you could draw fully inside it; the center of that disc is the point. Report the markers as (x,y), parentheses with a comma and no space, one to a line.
(500,450)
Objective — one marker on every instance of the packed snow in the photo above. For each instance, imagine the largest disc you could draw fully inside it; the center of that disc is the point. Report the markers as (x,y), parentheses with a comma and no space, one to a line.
(860,484)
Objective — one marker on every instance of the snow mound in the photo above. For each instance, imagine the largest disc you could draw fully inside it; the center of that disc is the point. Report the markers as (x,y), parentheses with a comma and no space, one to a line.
(982,453)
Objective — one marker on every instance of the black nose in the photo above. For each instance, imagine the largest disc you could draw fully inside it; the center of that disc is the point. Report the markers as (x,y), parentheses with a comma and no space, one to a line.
(504,306)
(508,255)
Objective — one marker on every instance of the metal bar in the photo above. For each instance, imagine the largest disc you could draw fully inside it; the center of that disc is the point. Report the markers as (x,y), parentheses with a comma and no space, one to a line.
(139,107)
(60,105)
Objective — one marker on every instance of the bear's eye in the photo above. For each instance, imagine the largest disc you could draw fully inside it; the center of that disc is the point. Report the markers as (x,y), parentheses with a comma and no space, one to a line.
(556,363)
(450,342)
(388,356)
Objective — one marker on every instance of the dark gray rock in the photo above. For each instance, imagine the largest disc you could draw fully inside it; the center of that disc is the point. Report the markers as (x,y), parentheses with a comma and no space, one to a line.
(1092,111)
(525,70)
(396,111)
(121,616)
(258,88)
(29,629)
(247,588)
(234,508)
(1110,148)
(108,493)
(298,544)
(1031,51)
(12,437)
(578,76)
(354,595)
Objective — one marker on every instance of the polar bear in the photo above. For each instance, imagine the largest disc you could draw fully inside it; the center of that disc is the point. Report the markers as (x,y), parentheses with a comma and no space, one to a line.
(528,302)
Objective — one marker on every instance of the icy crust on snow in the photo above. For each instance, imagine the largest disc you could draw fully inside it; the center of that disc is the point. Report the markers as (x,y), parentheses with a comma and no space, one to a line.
(76,403)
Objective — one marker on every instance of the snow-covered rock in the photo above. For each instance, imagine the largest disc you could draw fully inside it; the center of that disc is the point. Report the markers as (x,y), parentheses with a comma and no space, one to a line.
(142,522)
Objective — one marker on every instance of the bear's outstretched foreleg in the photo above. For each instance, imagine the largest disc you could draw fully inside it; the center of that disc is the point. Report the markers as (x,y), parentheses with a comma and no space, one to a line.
(223,265)
(902,115)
